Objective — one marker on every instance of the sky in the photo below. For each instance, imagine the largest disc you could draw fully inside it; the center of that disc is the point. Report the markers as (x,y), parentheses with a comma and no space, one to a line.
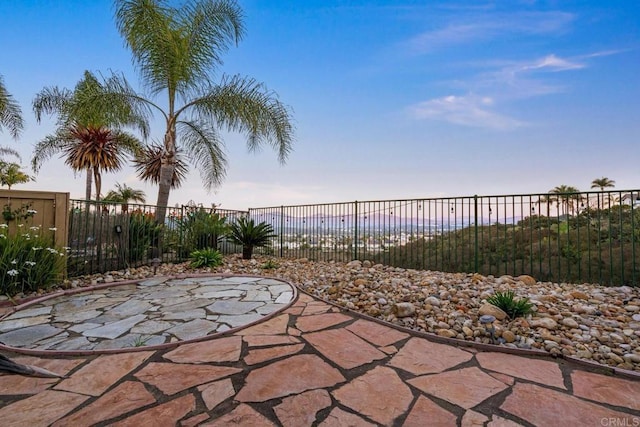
(390,99)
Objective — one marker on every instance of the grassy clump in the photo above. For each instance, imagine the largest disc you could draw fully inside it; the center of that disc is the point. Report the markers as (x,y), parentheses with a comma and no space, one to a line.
(506,302)
(205,258)
(29,261)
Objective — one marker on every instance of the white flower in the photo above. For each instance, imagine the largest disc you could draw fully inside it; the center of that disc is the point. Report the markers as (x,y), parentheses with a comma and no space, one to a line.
(12,272)
(15,261)
(51,250)
(35,248)
(4,225)
(53,229)
(29,263)
(20,225)
(34,228)
(2,236)
(32,212)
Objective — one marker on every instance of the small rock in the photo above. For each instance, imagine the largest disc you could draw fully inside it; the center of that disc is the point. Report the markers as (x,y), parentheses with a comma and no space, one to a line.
(545,322)
(632,308)
(435,302)
(448,333)
(509,336)
(354,264)
(570,322)
(632,357)
(404,309)
(527,280)
(492,310)
(579,295)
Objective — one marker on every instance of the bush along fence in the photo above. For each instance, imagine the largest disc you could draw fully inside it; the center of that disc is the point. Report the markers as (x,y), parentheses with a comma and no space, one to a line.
(571,237)
(105,236)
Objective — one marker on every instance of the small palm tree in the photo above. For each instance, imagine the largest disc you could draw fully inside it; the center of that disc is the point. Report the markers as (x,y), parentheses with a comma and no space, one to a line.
(124,194)
(245,232)
(10,117)
(89,138)
(10,174)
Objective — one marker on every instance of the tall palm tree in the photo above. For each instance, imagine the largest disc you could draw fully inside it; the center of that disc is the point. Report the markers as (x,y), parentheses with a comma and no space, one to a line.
(125,194)
(89,138)
(10,174)
(10,117)
(177,51)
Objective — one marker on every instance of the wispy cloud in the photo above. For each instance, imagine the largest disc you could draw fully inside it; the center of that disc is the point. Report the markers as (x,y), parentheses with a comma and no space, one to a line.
(469,110)
(485,27)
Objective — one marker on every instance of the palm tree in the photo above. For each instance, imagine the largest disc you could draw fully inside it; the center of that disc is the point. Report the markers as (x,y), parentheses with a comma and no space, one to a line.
(603,183)
(125,194)
(10,174)
(90,139)
(176,51)
(566,195)
(10,117)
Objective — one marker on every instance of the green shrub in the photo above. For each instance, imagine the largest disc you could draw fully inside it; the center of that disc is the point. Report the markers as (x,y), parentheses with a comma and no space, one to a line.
(144,233)
(200,229)
(247,233)
(207,257)
(29,261)
(506,302)
(269,265)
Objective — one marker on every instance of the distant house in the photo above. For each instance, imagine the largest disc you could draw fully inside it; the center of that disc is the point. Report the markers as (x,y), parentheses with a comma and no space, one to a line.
(630,199)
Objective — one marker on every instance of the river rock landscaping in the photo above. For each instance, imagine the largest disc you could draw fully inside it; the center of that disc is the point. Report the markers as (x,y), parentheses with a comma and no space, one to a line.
(586,321)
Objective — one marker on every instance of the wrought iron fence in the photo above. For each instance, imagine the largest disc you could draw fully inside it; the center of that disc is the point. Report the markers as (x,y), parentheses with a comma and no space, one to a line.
(105,236)
(571,237)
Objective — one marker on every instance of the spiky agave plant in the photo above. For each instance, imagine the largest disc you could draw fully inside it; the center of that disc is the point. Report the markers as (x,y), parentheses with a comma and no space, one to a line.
(506,302)
(250,235)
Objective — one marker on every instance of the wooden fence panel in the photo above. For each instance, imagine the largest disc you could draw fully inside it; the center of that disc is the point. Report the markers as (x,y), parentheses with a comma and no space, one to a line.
(51,211)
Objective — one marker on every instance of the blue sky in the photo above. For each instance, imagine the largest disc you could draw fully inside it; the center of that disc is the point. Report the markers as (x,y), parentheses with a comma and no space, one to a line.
(391,99)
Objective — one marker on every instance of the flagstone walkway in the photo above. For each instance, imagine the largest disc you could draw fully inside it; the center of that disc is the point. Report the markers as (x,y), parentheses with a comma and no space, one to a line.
(313,364)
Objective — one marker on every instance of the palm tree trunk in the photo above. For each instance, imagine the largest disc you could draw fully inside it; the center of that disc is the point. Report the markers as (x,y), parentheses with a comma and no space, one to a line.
(167,169)
(98,179)
(88,185)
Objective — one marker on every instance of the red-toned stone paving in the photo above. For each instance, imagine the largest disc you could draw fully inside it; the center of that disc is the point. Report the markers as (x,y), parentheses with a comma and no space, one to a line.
(313,365)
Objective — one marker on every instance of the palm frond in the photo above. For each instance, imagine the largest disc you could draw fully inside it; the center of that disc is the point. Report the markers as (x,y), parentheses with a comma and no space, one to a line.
(244,105)
(148,163)
(9,151)
(204,147)
(49,146)
(175,48)
(10,112)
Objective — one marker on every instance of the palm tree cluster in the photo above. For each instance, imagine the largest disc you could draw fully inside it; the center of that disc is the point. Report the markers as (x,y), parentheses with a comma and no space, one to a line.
(177,51)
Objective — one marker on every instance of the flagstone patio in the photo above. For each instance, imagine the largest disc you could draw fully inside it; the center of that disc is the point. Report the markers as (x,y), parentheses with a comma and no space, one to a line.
(315,364)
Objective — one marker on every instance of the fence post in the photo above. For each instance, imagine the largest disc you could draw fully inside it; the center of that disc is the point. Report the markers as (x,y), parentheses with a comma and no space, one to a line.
(475,229)
(355,231)
(281,231)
